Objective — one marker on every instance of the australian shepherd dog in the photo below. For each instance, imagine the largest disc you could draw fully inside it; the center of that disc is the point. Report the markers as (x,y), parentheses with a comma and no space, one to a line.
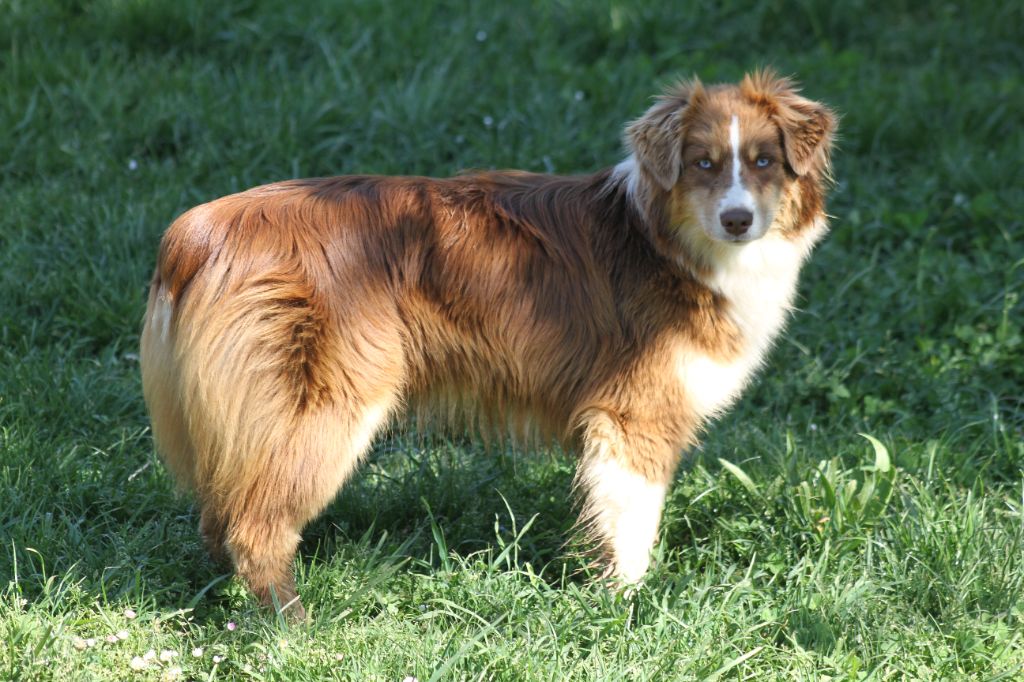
(615,312)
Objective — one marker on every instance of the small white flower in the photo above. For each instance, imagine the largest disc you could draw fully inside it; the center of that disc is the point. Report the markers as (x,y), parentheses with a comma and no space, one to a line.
(409,678)
(578,95)
(339,657)
(167,655)
(172,673)
(488,121)
(197,652)
(217,659)
(132,164)
(112,639)
(90,641)
(122,634)
(231,626)
(79,643)
(137,663)
(149,655)
(129,614)
(481,36)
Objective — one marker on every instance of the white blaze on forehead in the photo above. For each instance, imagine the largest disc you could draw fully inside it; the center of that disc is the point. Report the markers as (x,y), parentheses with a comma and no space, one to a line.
(738,196)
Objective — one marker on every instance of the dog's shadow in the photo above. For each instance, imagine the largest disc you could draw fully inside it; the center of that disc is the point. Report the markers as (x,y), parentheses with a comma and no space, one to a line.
(426,504)
(432,499)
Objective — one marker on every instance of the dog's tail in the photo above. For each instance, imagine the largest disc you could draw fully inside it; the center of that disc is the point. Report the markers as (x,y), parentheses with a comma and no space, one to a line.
(184,251)
(234,348)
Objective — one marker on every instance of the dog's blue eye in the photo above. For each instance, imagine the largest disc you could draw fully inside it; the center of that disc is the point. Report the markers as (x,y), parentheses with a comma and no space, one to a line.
(763,162)
(705,164)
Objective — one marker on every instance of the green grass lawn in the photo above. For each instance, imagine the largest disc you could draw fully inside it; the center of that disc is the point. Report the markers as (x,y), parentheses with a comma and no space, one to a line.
(803,557)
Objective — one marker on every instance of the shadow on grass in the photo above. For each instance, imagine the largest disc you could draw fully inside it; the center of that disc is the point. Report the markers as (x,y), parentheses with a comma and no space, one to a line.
(417,505)
(412,488)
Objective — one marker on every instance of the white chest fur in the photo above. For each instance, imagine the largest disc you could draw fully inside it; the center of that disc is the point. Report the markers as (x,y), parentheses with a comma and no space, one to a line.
(758,281)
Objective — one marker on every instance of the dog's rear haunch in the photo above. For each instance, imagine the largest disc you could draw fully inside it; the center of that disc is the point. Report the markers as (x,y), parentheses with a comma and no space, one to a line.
(616,312)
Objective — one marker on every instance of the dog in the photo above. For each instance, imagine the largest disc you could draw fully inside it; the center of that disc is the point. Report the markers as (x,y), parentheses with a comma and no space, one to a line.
(617,312)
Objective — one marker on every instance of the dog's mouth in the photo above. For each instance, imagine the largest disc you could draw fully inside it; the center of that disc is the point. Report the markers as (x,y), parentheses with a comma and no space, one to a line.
(740,239)
(722,237)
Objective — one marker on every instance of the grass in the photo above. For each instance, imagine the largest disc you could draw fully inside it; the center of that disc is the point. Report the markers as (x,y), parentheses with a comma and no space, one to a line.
(792,547)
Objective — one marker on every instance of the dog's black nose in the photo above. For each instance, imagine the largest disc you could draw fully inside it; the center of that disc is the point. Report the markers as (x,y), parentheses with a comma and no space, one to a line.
(736,220)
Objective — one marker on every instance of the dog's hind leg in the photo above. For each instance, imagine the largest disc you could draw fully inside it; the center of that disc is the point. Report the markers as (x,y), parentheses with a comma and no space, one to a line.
(281,400)
(290,487)
(622,477)
(213,529)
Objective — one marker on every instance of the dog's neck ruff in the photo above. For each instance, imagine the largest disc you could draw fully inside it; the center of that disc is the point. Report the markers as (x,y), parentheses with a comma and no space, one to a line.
(757,281)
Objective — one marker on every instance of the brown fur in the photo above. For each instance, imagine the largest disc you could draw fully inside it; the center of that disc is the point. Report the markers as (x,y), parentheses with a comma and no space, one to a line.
(287,324)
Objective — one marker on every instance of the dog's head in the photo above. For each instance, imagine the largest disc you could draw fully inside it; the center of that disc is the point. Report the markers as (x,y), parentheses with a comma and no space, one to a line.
(726,161)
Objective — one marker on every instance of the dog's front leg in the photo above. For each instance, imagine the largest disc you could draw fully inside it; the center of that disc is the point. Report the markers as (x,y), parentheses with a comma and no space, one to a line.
(622,478)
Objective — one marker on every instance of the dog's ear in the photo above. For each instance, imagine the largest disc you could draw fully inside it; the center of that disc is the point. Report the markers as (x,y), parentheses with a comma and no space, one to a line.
(808,127)
(656,138)
(808,130)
